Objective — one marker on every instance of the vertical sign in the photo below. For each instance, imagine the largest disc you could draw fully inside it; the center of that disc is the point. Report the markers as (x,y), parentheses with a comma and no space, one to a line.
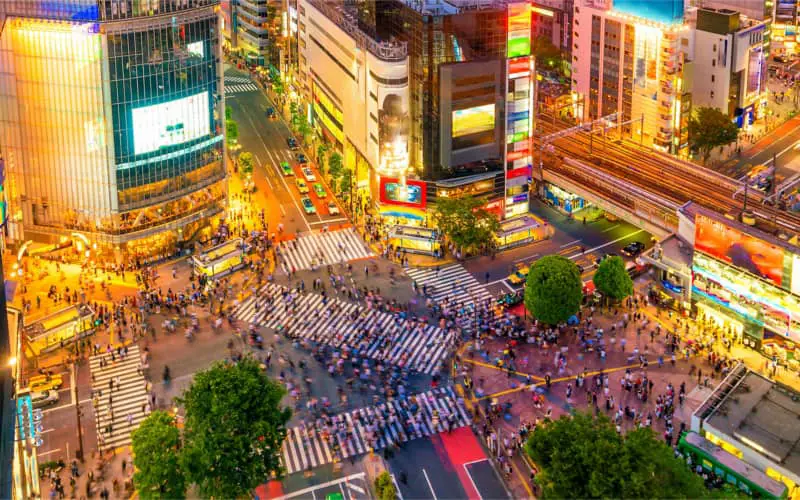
(520,79)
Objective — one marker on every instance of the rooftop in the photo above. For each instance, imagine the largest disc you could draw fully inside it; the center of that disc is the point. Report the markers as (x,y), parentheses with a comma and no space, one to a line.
(761,414)
(450,7)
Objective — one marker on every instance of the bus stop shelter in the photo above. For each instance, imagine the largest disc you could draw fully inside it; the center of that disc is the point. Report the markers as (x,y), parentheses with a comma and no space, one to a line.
(221,259)
(57,329)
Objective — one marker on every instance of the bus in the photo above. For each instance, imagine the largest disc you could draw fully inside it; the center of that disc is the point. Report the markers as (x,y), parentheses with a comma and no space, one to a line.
(735,471)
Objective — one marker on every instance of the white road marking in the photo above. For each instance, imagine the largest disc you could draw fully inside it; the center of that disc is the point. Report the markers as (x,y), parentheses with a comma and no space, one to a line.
(311,489)
(354,487)
(511,288)
(472,480)
(41,454)
(430,485)
(605,244)
(565,245)
(529,257)
(610,228)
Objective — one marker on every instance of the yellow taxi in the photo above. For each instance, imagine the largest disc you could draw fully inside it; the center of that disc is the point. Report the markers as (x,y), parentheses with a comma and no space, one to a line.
(519,276)
(44,383)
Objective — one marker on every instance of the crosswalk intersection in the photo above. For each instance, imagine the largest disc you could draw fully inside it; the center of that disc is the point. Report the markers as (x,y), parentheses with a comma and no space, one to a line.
(321,249)
(450,282)
(119,403)
(356,432)
(238,88)
(339,323)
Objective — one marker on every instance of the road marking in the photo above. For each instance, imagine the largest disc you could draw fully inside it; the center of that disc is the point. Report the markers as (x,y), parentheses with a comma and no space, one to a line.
(607,244)
(429,484)
(396,487)
(47,430)
(265,172)
(310,489)
(472,480)
(527,258)
(63,407)
(610,228)
(791,146)
(569,244)
(354,487)
(509,286)
(41,454)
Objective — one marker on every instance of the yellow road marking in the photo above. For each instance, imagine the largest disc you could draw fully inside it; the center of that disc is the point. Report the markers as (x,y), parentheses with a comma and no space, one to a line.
(504,370)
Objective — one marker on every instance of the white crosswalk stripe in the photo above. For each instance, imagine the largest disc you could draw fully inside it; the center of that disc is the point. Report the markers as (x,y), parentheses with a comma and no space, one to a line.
(450,282)
(321,249)
(129,399)
(375,427)
(236,79)
(239,88)
(423,348)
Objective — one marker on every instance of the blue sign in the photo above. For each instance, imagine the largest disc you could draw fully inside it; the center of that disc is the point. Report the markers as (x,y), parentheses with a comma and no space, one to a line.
(662,11)
(519,198)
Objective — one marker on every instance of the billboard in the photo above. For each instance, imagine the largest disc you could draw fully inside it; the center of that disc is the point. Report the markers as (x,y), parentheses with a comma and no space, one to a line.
(738,249)
(170,123)
(408,194)
(519,30)
(393,125)
(473,120)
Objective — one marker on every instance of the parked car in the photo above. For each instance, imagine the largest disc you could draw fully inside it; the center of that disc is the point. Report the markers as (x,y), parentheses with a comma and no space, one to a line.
(286,169)
(309,174)
(41,383)
(40,399)
(308,205)
(333,208)
(270,112)
(301,159)
(633,249)
(319,189)
(292,143)
(301,186)
(519,276)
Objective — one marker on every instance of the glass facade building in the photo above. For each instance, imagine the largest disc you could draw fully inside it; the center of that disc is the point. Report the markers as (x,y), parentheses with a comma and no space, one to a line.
(110,121)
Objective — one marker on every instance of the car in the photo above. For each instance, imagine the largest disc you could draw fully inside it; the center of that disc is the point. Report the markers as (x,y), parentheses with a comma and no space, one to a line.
(41,383)
(519,276)
(286,169)
(610,217)
(301,159)
(604,257)
(308,205)
(320,190)
(333,208)
(633,249)
(41,399)
(309,174)
(757,171)
(270,112)
(301,186)
(292,143)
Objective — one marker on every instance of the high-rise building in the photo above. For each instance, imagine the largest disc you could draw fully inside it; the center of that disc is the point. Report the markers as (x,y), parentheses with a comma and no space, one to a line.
(630,65)
(111,121)
(253,25)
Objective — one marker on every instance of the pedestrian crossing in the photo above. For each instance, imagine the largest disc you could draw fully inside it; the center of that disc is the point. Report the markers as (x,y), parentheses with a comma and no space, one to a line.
(236,79)
(239,88)
(338,323)
(372,428)
(120,404)
(321,249)
(449,282)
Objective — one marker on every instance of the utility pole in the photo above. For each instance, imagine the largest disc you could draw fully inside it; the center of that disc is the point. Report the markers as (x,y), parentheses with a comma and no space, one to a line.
(74,384)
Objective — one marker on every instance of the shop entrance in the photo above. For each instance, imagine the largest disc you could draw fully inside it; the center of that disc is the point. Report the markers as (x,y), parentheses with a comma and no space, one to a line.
(728,325)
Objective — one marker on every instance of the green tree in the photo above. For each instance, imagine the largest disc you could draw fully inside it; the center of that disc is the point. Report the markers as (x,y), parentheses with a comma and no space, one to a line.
(466,223)
(231,131)
(710,128)
(234,428)
(303,127)
(228,113)
(384,487)
(322,151)
(612,280)
(156,458)
(293,114)
(246,163)
(547,55)
(335,166)
(346,182)
(554,289)
(277,84)
(584,457)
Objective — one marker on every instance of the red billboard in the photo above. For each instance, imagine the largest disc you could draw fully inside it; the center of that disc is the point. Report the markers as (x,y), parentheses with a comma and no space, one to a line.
(518,172)
(739,249)
(410,194)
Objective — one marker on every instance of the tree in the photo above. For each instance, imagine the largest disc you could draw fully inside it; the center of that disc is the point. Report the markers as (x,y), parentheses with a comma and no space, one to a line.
(466,223)
(612,280)
(554,289)
(277,84)
(234,428)
(384,487)
(710,128)
(548,56)
(156,458)
(231,131)
(335,166)
(303,127)
(246,163)
(346,181)
(584,457)
(228,113)
(322,150)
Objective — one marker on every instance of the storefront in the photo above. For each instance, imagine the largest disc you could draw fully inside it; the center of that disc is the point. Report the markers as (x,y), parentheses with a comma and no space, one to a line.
(415,239)
(564,200)
(522,230)
(58,329)
(402,202)
(221,259)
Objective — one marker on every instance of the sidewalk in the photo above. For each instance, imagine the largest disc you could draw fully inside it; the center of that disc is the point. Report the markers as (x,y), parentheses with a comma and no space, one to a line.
(111,471)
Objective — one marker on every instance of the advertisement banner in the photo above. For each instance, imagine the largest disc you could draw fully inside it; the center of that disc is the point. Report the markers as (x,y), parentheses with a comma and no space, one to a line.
(738,249)
(518,172)
(393,125)
(519,66)
(410,194)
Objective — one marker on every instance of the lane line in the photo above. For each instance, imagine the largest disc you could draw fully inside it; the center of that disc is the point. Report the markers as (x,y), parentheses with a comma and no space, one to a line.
(48,452)
(472,480)
(534,256)
(310,489)
(511,288)
(565,245)
(430,485)
(610,228)
(606,244)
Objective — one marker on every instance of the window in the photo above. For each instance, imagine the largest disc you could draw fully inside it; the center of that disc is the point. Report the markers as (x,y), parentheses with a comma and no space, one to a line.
(714,63)
(712,94)
(714,48)
(712,78)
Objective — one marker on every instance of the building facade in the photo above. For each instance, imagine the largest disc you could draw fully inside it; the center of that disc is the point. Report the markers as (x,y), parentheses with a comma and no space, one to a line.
(125,146)
(730,63)
(632,66)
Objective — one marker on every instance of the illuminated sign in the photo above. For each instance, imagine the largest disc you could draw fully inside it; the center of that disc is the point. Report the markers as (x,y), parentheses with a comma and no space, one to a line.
(519,30)
(519,65)
(796,274)
(408,194)
(519,172)
(170,123)
(473,120)
(196,49)
(738,249)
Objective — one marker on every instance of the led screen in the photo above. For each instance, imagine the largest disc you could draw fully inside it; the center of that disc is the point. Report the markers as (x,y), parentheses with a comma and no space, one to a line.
(741,250)
(473,120)
(796,275)
(170,123)
(409,194)
(196,49)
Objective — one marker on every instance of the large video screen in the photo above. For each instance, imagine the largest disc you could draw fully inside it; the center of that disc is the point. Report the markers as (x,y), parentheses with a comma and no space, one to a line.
(170,123)
(409,194)
(741,250)
(473,120)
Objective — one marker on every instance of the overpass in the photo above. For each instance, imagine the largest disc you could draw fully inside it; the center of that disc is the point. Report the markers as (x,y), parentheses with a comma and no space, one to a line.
(653,213)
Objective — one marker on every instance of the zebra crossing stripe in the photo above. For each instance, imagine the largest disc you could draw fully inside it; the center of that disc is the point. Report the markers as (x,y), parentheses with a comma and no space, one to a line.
(305,448)
(126,400)
(450,282)
(240,87)
(423,348)
(236,79)
(322,249)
